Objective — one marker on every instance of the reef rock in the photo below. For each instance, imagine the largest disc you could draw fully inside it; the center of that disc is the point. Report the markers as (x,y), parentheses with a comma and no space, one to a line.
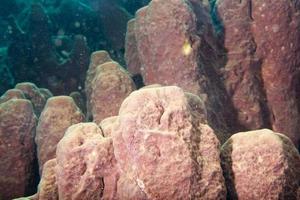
(176,45)
(128,189)
(263,50)
(165,148)
(271,163)
(97,58)
(85,164)
(107,125)
(59,113)
(47,187)
(33,94)
(131,52)
(111,85)
(12,94)
(161,63)
(17,149)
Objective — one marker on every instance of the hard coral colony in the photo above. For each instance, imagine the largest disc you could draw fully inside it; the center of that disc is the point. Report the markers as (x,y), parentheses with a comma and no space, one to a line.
(150,100)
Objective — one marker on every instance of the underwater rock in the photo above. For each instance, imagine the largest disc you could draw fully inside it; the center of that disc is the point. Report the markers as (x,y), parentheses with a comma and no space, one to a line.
(12,94)
(32,93)
(47,187)
(17,149)
(97,58)
(59,113)
(262,70)
(163,55)
(177,46)
(107,125)
(111,85)
(242,69)
(131,52)
(84,157)
(47,93)
(128,189)
(271,163)
(166,148)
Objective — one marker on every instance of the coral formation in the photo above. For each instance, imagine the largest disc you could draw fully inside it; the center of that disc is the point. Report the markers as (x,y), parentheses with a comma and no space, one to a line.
(17,148)
(208,109)
(59,113)
(48,187)
(166,147)
(173,138)
(261,154)
(33,93)
(184,43)
(261,73)
(110,86)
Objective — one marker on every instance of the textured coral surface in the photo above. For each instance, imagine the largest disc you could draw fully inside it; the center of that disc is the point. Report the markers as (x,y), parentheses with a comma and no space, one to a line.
(264,161)
(163,99)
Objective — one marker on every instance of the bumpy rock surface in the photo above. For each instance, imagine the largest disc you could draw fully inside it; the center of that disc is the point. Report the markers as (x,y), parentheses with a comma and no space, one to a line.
(263,63)
(59,113)
(47,187)
(261,165)
(111,85)
(107,125)
(161,63)
(176,46)
(97,58)
(84,157)
(17,130)
(33,94)
(164,147)
(12,94)
(131,52)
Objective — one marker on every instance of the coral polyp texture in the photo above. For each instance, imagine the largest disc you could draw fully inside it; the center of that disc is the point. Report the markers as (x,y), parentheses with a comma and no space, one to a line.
(150,100)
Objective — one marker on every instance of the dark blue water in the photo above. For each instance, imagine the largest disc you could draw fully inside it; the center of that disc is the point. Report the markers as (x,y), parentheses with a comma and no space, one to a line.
(38,38)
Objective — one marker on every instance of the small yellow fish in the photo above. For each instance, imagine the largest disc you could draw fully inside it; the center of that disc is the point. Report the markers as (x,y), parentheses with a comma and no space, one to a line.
(187,48)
